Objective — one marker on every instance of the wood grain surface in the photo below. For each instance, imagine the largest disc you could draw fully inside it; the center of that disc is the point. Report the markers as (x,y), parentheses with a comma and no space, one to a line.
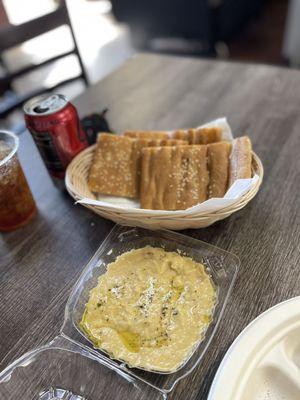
(40,263)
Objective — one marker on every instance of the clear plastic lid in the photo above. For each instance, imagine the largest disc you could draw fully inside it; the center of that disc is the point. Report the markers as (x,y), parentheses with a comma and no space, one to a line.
(64,370)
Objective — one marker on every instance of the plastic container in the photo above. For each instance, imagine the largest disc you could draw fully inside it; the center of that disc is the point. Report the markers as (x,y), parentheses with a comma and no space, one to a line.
(64,370)
(222,267)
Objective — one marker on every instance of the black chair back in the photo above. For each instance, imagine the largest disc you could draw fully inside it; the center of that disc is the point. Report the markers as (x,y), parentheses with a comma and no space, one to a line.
(13,35)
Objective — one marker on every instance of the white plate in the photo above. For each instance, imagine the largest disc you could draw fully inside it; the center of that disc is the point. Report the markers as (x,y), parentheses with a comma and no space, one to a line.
(263,363)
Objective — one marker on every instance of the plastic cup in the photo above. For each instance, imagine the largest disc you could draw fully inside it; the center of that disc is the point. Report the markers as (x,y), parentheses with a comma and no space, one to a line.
(17,205)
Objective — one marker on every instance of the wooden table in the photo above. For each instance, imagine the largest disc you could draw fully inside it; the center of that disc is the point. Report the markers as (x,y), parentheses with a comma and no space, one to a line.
(40,263)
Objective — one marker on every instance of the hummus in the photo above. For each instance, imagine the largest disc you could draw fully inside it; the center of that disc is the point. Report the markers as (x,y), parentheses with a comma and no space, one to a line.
(150,309)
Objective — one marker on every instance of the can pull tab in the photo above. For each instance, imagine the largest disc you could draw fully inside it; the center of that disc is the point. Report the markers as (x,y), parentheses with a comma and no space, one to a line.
(40,109)
(50,103)
(59,394)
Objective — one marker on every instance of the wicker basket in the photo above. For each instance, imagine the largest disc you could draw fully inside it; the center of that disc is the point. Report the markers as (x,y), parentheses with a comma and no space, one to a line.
(76,183)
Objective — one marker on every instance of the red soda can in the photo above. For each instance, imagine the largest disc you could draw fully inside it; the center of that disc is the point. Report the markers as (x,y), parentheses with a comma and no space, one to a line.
(55,127)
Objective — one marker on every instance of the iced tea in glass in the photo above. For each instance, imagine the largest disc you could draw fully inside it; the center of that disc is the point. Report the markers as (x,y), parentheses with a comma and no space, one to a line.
(17,205)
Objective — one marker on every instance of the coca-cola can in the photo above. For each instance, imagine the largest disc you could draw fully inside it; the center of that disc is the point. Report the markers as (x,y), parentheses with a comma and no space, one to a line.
(55,127)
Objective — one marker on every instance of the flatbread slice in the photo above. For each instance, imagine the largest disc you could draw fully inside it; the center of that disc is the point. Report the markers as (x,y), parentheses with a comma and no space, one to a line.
(181,134)
(204,135)
(218,166)
(147,134)
(167,142)
(173,178)
(199,135)
(240,159)
(114,170)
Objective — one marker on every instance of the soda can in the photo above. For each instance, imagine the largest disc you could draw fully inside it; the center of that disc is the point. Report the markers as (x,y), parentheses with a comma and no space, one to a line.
(55,127)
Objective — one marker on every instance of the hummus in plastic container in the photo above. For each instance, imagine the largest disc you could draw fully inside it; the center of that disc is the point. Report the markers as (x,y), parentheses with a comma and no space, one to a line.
(150,309)
(141,316)
(218,265)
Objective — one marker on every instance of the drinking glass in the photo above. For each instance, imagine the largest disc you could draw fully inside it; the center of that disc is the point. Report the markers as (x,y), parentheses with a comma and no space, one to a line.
(17,205)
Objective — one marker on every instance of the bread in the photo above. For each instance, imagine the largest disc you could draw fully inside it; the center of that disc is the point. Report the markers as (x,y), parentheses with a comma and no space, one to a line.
(173,178)
(208,135)
(240,159)
(169,174)
(147,134)
(199,135)
(166,142)
(181,134)
(113,170)
(116,165)
(218,166)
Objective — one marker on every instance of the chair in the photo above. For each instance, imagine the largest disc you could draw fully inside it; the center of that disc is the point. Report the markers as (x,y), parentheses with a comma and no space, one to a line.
(13,35)
(201,24)
(148,20)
